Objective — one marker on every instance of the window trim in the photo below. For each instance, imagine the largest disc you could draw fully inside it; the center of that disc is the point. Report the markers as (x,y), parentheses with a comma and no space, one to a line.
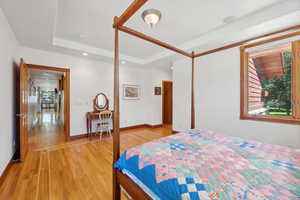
(244,56)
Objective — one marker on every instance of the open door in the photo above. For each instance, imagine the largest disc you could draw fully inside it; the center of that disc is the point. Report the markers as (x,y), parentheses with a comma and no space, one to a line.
(23,131)
(167,102)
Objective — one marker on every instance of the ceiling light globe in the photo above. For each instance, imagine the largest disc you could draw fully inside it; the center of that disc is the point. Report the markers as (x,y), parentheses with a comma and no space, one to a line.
(151,19)
(151,16)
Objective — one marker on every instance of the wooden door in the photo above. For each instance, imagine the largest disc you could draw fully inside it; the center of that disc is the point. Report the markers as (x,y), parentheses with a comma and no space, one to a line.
(167,102)
(66,89)
(23,131)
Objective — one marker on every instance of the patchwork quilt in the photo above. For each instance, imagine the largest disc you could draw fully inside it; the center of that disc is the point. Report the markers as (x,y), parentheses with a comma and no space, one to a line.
(202,165)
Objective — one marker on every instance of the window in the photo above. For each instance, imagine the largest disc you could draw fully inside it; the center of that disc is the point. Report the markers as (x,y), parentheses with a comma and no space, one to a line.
(270,82)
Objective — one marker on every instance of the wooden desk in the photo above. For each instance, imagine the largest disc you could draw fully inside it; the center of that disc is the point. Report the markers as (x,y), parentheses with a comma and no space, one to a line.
(90,117)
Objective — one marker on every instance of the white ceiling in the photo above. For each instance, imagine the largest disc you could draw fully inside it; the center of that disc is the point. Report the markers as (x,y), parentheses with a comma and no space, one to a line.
(76,26)
(183,21)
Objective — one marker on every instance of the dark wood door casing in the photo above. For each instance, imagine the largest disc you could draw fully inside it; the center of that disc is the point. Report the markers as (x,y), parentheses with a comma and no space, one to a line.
(167,102)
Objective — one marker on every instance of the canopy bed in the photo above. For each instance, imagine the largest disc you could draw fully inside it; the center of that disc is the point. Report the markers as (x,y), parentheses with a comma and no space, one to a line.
(137,173)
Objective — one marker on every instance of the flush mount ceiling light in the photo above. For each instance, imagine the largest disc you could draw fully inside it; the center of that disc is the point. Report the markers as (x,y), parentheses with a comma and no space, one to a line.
(123,62)
(85,54)
(151,16)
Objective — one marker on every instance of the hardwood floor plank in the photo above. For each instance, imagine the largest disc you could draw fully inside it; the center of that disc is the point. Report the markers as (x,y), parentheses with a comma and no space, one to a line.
(44,177)
(8,188)
(26,187)
(73,170)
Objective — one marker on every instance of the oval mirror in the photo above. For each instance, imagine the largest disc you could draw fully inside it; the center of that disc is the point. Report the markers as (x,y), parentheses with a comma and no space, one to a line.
(101,101)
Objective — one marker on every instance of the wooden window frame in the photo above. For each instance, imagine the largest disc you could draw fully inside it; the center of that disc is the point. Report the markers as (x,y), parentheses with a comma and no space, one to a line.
(244,56)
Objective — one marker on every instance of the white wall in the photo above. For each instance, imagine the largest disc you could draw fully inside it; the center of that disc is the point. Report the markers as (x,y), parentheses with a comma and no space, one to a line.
(7,87)
(218,101)
(182,94)
(154,103)
(89,77)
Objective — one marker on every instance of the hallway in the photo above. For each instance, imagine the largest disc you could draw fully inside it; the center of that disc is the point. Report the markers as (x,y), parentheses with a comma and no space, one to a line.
(45,108)
(47,132)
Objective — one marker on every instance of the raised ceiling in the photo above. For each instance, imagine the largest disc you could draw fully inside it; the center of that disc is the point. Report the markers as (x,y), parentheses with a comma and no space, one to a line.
(77,26)
(183,21)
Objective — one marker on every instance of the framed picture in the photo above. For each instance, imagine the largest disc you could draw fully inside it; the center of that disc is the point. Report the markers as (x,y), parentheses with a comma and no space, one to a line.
(131,92)
(157,90)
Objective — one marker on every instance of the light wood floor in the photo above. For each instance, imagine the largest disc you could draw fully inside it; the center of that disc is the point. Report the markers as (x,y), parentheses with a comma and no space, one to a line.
(47,132)
(80,169)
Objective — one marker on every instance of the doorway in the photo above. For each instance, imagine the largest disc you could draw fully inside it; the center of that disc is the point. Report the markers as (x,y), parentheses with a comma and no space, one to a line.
(167,99)
(44,102)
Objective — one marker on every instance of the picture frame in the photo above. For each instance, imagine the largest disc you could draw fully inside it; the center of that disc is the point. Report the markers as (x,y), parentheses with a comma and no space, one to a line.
(157,90)
(131,92)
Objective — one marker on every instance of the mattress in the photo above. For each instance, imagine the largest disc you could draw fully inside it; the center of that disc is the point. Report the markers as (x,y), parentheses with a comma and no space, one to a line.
(202,165)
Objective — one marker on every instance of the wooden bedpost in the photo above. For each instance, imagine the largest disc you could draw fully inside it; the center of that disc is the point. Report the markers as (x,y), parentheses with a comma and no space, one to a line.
(193,95)
(116,133)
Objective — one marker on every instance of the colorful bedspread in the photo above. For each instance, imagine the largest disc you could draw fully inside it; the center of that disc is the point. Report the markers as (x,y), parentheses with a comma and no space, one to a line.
(204,165)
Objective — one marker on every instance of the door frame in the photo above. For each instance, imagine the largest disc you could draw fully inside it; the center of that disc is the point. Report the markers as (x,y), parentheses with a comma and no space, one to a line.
(163,99)
(66,84)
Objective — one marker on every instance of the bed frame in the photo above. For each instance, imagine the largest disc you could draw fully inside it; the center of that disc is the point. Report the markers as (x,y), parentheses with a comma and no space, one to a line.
(120,179)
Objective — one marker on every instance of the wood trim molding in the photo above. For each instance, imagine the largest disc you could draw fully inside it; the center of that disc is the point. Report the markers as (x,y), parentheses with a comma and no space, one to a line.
(77,137)
(294,119)
(66,82)
(6,170)
(43,67)
(273,119)
(81,136)
(296,79)
(152,40)
(67,101)
(243,82)
(84,135)
(133,127)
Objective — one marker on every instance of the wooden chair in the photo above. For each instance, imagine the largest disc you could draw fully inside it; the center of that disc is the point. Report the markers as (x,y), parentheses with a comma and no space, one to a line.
(105,123)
